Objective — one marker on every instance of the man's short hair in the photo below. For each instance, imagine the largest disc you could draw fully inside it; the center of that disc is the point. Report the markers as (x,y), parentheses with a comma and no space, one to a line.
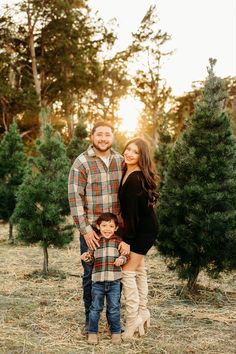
(101,124)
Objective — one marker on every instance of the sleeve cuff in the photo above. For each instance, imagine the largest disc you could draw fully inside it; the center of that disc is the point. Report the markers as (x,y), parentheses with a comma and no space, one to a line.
(88,229)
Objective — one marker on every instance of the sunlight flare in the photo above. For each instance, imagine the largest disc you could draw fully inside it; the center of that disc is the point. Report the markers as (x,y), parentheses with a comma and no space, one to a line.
(129,111)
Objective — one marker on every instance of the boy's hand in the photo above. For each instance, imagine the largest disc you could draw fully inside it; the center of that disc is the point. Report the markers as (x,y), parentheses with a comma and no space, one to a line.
(119,262)
(86,257)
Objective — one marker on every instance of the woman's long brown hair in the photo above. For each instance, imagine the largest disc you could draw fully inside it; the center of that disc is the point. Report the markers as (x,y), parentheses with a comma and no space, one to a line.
(147,167)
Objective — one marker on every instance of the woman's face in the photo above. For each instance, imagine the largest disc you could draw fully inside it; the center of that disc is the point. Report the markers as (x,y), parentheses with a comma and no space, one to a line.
(131,154)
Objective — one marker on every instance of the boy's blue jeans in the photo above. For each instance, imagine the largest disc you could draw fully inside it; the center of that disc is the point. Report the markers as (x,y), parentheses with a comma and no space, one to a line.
(111,291)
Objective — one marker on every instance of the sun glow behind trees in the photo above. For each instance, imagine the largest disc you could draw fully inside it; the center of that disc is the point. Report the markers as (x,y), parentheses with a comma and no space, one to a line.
(129,111)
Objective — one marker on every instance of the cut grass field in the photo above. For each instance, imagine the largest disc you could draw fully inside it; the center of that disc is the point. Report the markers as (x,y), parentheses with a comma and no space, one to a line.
(45,314)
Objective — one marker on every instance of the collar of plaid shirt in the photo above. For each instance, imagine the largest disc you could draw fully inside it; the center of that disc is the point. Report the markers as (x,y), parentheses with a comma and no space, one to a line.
(92,153)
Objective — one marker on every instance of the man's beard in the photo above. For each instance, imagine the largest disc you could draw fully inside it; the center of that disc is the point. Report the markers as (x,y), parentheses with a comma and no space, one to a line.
(102,150)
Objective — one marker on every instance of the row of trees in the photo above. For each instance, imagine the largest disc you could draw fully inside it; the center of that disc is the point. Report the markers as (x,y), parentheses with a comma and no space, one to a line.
(57,67)
(197,206)
(33,191)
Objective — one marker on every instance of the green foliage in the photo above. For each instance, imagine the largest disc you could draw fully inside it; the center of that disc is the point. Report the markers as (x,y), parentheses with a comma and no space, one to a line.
(67,42)
(113,82)
(42,198)
(198,197)
(163,149)
(78,143)
(17,94)
(12,164)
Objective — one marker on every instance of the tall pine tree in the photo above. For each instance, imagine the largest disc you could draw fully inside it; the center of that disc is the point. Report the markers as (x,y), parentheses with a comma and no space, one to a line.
(78,143)
(198,198)
(42,198)
(12,164)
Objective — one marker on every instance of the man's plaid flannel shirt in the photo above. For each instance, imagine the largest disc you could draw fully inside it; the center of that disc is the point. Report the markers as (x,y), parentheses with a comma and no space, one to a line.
(93,188)
(103,259)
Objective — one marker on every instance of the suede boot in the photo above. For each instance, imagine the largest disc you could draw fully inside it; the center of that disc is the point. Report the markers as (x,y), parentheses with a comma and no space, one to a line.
(133,319)
(142,285)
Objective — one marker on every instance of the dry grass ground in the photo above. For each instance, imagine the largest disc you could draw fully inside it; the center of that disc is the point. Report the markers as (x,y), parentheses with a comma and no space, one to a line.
(45,315)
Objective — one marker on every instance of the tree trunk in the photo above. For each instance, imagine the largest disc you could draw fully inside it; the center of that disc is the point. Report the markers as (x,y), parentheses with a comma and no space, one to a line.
(43,115)
(37,81)
(192,280)
(34,64)
(45,259)
(11,240)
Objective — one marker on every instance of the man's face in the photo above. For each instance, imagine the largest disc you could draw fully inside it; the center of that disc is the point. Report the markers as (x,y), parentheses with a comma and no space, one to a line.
(102,138)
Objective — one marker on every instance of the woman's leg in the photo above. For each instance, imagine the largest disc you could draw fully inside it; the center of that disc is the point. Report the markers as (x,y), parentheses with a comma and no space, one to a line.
(131,294)
(137,263)
(142,284)
(135,260)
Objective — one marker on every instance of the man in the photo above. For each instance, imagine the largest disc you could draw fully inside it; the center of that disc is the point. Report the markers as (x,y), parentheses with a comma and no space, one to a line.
(92,190)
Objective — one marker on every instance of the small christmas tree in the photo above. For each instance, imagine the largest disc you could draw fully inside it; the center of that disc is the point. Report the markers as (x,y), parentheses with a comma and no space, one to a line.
(12,164)
(78,143)
(42,198)
(198,197)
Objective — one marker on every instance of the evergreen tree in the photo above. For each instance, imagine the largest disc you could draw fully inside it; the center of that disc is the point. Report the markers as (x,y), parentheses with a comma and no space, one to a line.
(78,143)
(42,198)
(12,164)
(163,148)
(198,198)
(50,62)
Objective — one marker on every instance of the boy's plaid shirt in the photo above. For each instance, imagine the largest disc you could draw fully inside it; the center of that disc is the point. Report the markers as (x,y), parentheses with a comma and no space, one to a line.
(103,259)
(93,188)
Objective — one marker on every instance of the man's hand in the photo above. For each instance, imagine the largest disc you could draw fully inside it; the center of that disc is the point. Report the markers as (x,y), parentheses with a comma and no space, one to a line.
(124,248)
(91,239)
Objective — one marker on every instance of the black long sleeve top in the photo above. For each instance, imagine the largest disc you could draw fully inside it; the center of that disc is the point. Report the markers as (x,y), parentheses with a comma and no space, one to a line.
(140,220)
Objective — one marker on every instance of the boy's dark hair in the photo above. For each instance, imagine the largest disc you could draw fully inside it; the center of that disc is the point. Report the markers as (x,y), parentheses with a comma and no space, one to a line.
(101,124)
(107,217)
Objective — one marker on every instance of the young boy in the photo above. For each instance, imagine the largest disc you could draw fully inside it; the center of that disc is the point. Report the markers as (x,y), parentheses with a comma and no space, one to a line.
(106,277)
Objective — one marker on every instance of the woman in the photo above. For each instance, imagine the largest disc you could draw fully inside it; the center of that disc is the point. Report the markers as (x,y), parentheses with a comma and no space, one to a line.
(137,194)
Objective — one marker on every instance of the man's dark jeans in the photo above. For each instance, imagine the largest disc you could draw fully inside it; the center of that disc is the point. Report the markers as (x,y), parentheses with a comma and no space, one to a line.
(111,291)
(87,282)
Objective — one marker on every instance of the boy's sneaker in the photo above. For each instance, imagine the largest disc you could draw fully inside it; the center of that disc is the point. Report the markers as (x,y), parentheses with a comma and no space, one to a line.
(92,338)
(116,338)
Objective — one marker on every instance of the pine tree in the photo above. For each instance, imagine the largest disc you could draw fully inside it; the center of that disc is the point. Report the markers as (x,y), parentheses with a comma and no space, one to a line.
(12,164)
(163,149)
(42,198)
(78,143)
(198,198)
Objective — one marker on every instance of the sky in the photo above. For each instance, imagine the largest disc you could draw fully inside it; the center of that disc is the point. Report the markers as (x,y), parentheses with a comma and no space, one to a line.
(199,30)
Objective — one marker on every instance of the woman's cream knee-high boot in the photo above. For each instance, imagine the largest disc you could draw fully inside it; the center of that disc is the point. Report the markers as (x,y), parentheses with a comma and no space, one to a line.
(133,319)
(142,285)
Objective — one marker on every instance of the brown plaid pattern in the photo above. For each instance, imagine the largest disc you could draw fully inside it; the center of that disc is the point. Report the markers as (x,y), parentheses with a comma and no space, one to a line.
(103,259)
(93,188)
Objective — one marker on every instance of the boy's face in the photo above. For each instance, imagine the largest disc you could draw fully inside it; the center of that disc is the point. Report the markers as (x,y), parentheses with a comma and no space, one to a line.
(107,228)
